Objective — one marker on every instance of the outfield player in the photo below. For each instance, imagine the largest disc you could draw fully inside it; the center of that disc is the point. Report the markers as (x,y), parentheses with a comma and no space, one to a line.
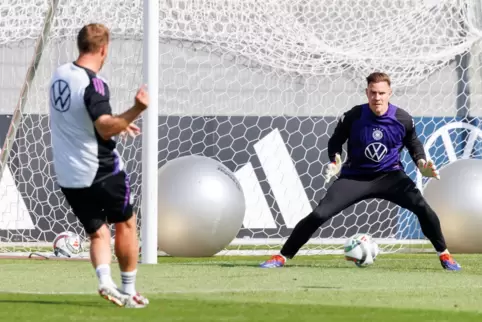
(87,164)
(375,133)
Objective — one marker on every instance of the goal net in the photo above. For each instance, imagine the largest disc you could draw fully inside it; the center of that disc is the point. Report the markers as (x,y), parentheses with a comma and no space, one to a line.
(255,84)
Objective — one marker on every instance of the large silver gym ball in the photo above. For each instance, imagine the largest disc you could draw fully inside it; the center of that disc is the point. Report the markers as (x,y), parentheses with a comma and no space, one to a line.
(201,207)
(457,200)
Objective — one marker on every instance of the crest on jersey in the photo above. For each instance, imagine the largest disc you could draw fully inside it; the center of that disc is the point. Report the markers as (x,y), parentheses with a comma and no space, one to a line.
(377,134)
(60,95)
(376,151)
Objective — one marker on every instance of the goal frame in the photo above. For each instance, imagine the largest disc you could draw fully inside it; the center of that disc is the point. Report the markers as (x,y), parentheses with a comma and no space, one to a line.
(150,133)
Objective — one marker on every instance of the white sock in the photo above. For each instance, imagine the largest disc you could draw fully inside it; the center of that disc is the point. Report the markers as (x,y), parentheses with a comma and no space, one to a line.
(129,282)
(444,252)
(103,274)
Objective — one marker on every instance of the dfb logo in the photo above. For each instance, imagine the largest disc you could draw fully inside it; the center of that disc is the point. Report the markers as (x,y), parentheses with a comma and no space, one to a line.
(60,95)
(376,151)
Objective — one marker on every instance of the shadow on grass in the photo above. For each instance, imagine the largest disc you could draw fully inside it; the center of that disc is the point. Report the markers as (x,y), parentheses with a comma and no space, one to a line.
(322,265)
(319,287)
(99,303)
(288,266)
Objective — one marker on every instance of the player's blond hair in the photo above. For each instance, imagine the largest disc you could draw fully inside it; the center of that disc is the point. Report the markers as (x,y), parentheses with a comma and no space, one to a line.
(378,77)
(92,37)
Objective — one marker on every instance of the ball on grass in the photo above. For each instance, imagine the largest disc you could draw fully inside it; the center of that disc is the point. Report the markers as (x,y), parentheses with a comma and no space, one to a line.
(361,249)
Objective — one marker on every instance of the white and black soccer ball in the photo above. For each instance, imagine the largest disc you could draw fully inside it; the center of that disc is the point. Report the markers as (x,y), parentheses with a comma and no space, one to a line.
(67,244)
(361,249)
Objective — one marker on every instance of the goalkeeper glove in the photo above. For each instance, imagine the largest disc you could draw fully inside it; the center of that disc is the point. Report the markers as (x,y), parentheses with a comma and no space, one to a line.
(333,168)
(428,169)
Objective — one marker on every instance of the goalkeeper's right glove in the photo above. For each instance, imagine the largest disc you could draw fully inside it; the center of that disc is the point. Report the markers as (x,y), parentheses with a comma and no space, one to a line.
(333,168)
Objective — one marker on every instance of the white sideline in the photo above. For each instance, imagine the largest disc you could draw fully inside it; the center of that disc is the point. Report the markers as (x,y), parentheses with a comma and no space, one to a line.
(258,242)
(263,247)
(324,241)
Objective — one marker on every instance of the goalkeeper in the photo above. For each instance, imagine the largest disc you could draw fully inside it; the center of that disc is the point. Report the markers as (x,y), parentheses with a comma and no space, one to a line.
(376,133)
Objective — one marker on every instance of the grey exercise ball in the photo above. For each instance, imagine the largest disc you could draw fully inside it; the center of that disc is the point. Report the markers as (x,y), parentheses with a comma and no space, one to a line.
(457,200)
(201,207)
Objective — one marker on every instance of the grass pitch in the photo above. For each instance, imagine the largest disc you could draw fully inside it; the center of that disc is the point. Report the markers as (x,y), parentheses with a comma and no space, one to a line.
(311,288)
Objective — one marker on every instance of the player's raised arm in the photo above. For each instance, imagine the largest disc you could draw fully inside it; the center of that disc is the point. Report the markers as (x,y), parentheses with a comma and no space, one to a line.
(108,125)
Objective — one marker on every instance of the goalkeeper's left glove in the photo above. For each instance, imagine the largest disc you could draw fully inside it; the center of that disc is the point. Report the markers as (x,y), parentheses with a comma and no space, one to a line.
(428,169)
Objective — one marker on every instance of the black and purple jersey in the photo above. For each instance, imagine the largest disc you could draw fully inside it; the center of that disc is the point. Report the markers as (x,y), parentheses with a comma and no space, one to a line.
(374,142)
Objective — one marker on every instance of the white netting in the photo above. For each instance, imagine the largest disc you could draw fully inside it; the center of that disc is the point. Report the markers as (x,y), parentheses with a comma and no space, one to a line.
(407,39)
(240,81)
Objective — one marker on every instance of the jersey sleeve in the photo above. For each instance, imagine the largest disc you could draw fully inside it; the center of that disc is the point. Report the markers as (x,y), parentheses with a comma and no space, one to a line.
(96,99)
(411,140)
(342,132)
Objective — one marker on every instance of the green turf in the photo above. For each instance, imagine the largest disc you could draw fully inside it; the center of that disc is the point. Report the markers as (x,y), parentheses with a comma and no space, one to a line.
(311,288)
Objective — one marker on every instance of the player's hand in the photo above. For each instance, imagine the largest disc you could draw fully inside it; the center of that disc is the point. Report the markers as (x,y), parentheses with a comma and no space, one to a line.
(132,130)
(333,168)
(428,169)
(142,98)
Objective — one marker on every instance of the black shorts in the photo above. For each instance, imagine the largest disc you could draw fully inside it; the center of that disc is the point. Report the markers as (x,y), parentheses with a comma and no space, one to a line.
(107,201)
(394,186)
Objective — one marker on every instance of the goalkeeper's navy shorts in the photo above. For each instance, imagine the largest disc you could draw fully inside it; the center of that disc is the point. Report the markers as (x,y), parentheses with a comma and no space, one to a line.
(104,202)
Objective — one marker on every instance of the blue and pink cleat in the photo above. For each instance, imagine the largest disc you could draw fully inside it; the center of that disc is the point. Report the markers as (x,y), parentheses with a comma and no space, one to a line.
(273,262)
(449,263)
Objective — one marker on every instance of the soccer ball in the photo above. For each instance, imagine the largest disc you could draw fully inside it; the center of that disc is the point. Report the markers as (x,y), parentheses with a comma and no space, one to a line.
(67,244)
(361,249)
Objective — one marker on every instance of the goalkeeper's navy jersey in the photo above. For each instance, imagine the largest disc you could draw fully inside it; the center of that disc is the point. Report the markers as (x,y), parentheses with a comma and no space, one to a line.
(78,97)
(374,142)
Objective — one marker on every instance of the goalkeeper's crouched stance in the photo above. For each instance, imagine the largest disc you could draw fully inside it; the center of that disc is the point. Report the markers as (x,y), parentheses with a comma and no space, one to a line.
(376,133)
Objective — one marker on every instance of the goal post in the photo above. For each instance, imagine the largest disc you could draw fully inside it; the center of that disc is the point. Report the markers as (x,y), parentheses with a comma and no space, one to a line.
(255,84)
(150,136)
